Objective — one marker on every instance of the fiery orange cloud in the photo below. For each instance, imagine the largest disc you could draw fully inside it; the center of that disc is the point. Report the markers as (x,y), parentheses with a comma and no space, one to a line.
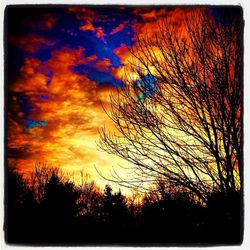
(89,16)
(87,26)
(103,65)
(118,28)
(122,52)
(30,80)
(150,15)
(99,33)
(30,43)
(124,55)
(98,30)
(72,113)
(91,58)
(150,26)
(151,18)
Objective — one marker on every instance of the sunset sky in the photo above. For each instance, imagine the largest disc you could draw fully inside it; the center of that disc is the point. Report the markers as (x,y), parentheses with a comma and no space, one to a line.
(62,63)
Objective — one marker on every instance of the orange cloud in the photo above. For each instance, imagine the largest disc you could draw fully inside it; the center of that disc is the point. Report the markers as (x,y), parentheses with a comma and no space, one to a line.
(122,52)
(87,26)
(118,28)
(125,57)
(30,43)
(98,30)
(152,24)
(99,33)
(103,65)
(154,20)
(73,114)
(91,58)
(89,16)
(150,14)
(30,79)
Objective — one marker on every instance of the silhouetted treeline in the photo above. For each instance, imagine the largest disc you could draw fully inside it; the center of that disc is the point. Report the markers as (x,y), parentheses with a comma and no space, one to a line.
(52,210)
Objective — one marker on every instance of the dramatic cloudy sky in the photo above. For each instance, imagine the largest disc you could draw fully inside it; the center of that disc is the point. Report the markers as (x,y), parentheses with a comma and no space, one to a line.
(61,64)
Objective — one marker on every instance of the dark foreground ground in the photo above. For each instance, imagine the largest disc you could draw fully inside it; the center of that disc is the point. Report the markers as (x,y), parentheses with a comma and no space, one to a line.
(64,215)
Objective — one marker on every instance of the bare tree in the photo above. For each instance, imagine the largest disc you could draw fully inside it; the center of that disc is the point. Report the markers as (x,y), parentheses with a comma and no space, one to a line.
(40,177)
(182,118)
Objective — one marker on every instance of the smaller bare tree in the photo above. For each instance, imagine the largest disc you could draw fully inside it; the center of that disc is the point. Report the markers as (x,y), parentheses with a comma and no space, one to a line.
(40,177)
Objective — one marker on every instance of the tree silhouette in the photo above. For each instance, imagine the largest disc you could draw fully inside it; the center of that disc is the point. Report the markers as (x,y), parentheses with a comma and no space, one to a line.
(114,207)
(64,214)
(20,207)
(40,177)
(179,115)
(59,199)
(90,199)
